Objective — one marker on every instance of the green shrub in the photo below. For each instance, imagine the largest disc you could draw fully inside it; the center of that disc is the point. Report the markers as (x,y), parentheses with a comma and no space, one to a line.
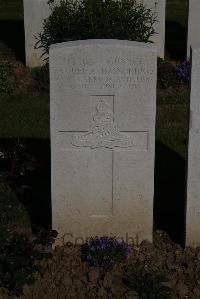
(6,82)
(89,19)
(17,260)
(41,76)
(12,210)
(148,286)
(166,74)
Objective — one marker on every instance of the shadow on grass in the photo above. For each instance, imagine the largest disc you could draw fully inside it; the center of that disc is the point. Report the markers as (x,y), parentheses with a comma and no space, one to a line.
(12,34)
(175,41)
(169,201)
(37,198)
(169,196)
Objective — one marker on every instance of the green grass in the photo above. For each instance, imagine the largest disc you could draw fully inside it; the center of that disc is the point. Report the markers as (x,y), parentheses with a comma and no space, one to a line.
(27,116)
(12,210)
(5,52)
(11,9)
(24,115)
(177,11)
(176,29)
(172,119)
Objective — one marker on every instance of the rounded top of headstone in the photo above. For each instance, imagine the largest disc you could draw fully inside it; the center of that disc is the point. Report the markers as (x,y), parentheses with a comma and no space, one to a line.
(104,42)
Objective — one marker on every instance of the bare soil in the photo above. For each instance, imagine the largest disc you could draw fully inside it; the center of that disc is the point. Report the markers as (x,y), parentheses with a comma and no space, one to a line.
(66,276)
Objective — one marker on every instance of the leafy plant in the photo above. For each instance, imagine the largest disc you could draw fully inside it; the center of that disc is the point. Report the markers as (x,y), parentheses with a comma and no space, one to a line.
(148,286)
(167,76)
(16,160)
(183,70)
(18,258)
(104,251)
(41,75)
(45,237)
(6,82)
(12,210)
(88,19)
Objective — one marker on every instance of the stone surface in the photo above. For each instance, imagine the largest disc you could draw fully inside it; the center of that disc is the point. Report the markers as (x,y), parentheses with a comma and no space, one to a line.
(103,105)
(159,7)
(193,24)
(35,11)
(193,185)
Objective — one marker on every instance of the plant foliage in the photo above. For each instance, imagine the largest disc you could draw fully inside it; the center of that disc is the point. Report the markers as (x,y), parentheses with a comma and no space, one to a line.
(183,71)
(101,19)
(6,81)
(16,161)
(148,286)
(17,260)
(167,76)
(41,76)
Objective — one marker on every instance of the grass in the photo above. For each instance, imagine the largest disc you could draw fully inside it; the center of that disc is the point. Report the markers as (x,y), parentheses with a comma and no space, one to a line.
(12,210)
(172,120)
(176,29)
(11,9)
(176,11)
(12,30)
(25,116)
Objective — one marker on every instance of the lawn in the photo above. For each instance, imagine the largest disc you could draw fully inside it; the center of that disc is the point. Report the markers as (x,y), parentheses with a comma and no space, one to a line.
(24,116)
(11,10)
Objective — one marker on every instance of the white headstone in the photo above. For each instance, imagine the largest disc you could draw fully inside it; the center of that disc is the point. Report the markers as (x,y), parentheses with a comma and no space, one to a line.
(35,11)
(193,183)
(103,106)
(193,24)
(159,7)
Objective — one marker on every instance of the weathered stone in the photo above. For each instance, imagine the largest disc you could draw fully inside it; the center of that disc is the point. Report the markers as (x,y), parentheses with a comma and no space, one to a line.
(103,105)
(193,25)
(35,11)
(193,186)
(159,7)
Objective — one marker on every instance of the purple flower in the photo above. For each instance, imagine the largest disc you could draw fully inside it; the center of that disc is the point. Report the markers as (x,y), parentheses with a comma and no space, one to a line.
(183,71)
(105,251)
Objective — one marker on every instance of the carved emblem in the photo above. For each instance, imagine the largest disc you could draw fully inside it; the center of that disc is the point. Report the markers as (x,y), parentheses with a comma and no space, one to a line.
(104,131)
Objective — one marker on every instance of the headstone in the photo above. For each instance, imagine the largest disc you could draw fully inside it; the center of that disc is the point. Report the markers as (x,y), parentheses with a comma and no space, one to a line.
(193,24)
(103,106)
(193,183)
(159,7)
(35,11)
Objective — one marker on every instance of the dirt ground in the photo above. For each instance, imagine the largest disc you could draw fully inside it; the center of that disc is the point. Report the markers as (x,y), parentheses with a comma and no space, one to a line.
(66,276)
